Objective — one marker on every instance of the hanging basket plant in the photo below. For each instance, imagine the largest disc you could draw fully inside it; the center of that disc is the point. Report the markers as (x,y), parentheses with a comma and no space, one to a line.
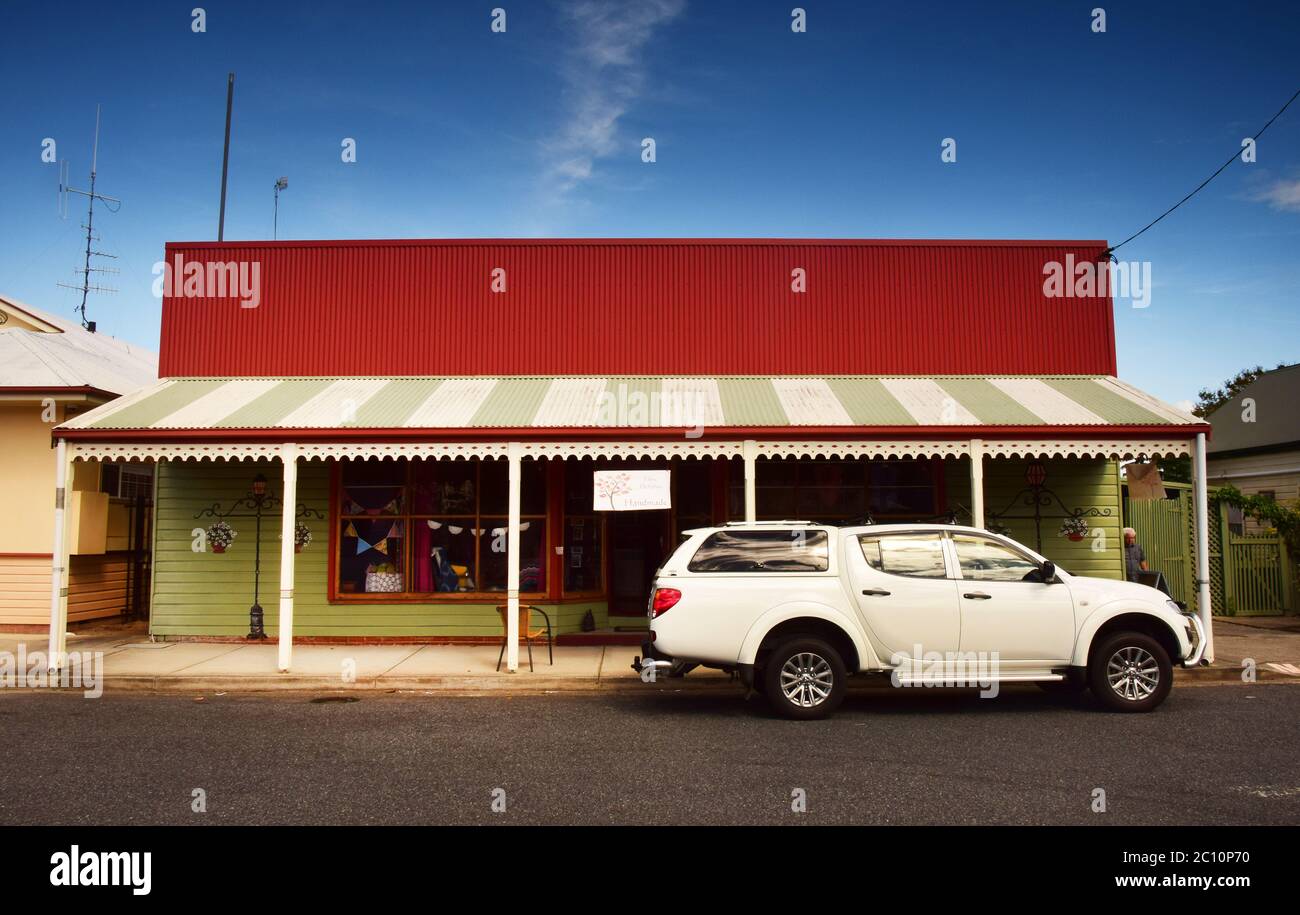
(220,536)
(301,536)
(1075,528)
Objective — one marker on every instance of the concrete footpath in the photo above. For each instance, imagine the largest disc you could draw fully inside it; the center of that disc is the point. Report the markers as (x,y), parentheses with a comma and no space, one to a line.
(132,661)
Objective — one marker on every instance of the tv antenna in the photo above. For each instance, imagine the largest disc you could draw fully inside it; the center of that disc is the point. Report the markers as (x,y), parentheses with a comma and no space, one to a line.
(86,285)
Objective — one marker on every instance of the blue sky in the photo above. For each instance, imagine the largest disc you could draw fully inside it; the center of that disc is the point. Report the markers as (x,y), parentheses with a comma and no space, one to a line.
(1061,133)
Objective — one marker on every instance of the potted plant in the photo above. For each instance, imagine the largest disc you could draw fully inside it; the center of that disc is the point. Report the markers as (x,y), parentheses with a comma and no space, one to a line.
(1074,528)
(301,536)
(220,536)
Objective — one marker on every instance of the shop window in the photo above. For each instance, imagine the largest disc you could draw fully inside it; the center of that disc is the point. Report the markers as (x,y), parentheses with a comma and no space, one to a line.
(692,495)
(901,489)
(584,530)
(420,528)
(837,492)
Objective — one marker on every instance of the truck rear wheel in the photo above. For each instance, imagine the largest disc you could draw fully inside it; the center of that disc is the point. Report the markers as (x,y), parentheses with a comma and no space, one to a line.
(804,678)
(1130,672)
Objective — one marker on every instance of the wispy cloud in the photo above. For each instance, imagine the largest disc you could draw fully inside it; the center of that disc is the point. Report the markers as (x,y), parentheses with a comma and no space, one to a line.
(604,74)
(1281,194)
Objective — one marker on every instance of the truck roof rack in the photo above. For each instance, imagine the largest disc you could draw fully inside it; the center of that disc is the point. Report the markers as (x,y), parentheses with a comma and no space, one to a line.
(762,523)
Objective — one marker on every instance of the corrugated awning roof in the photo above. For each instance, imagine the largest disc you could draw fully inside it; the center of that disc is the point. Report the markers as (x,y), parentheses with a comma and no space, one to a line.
(637,402)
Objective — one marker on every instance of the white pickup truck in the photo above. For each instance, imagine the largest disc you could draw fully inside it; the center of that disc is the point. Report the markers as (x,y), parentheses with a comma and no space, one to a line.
(794,607)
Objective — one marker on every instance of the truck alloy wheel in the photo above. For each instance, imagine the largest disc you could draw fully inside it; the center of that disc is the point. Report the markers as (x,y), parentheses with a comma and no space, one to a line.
(804,678)
(1130,672)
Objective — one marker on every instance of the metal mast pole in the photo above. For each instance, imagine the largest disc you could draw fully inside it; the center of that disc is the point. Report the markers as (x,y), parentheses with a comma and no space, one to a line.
(90,218)
(225,157)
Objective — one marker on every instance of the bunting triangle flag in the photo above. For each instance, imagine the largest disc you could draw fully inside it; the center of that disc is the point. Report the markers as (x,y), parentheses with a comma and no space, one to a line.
(382,546)
(350,530)
(362,546)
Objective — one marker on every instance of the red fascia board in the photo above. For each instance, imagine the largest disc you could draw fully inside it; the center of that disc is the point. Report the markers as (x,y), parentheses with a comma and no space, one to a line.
(598,242)
(529,434)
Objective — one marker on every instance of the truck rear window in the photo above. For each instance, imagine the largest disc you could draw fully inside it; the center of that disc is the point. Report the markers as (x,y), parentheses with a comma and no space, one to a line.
(798,550)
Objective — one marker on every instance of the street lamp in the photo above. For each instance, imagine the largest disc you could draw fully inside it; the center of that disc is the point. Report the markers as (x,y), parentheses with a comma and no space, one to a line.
(281,183)
(256,500)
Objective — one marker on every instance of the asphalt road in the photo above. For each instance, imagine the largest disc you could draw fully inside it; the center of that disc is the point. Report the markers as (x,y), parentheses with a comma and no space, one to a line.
(1212,754)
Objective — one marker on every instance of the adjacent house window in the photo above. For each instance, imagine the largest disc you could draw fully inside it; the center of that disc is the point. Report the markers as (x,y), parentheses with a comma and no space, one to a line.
(1236,520)
(126,479)
(417,528)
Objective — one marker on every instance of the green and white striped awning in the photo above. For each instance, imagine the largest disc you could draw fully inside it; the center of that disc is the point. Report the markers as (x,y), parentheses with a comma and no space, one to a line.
(576,403)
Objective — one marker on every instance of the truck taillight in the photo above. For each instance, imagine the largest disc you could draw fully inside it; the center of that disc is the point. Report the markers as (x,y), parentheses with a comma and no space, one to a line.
(664,600)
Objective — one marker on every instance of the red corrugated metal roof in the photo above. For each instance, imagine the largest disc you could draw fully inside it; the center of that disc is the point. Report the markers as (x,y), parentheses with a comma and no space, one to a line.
(628,306)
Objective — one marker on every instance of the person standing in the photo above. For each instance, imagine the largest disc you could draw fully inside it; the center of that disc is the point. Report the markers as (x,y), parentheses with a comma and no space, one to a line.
(1135,559)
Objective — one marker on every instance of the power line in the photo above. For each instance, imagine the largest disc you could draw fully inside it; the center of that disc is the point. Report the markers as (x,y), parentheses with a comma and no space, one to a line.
(1113,248)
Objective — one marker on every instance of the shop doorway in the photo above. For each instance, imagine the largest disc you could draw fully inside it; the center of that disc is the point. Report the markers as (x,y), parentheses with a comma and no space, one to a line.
(638,543)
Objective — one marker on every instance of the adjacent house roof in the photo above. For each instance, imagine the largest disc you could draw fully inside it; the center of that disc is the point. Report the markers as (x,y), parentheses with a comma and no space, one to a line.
(43,352)
(855,404)
(1271,422)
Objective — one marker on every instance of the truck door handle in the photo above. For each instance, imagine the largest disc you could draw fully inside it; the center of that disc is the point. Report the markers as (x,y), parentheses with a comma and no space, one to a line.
(876,592)
(976,595)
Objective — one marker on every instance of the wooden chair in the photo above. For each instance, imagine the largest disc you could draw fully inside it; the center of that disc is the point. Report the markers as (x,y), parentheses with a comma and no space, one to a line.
(526,632)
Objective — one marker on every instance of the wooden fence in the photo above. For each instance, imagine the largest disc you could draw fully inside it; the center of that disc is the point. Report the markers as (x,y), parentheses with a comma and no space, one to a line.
(1249,575)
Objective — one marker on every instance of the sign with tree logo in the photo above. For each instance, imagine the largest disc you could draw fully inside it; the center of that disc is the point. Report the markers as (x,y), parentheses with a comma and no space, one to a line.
(631,490)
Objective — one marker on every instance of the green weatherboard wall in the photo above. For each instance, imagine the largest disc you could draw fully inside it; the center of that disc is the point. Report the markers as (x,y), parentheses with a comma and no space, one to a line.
(209,594)
(1080,483)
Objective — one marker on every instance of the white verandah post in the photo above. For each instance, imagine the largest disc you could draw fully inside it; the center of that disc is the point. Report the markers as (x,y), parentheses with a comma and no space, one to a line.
(58,646)
(1201,495)
(288,530)
(977,482)
(749,451)
(514,456)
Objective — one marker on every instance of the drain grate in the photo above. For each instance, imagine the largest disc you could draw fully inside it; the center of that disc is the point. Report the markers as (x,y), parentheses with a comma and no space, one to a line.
(321,700)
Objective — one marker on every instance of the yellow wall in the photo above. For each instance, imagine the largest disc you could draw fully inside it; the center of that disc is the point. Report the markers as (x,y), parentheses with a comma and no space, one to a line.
(24,590)
(17,320)
(26,480)
(27,470)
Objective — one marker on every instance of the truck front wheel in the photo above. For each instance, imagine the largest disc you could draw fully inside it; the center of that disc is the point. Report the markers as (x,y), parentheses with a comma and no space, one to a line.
(804,678)
(1130,672)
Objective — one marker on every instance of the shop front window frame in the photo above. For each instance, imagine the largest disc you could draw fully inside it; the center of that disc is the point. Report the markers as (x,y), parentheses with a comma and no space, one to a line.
(408,517)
